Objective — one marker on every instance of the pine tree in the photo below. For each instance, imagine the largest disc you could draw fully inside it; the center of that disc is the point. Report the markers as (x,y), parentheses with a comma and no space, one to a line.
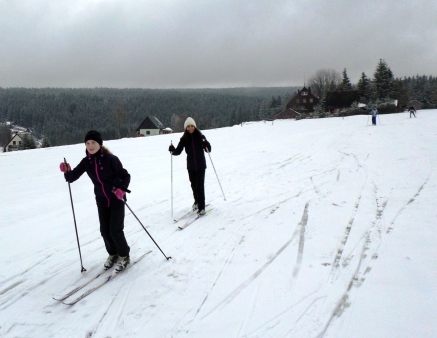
(263,110)
(383,80)
(5,135)
(233,119)
(318,111)
(400,92)
(363,86)
(287,99)
(27,142)
(346,83)
(45,142)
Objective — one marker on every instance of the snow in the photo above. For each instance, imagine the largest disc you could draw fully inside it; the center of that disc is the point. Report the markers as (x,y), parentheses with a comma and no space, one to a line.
(328,230)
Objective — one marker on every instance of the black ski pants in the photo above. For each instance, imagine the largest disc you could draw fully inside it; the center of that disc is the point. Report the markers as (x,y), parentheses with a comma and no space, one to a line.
(197,179)
(111,229)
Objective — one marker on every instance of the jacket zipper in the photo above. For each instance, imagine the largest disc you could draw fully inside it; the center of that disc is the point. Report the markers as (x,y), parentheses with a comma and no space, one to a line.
(101,183)
(194,151)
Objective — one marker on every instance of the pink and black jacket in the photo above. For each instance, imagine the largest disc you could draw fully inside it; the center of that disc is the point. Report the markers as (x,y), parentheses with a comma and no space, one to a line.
(106,172)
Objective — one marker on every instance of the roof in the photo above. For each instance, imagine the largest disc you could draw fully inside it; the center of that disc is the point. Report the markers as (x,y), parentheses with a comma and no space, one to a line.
(13,136)
(151,122)
(16,134)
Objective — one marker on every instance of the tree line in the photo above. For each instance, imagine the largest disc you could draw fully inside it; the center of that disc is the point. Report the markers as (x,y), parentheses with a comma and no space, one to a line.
(380,89)
(64,115)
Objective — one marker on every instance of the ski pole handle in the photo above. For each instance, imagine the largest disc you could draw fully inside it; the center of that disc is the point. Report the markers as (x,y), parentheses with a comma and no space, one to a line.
(125,190)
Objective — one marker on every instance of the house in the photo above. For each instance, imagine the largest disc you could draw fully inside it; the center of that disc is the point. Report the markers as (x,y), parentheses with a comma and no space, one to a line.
(340,99)
(303,101)
(152,126)
(14,143)
(288,114)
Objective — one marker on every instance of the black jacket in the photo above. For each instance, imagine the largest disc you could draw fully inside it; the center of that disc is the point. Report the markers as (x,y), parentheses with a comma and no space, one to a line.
(194,145)
(106,172)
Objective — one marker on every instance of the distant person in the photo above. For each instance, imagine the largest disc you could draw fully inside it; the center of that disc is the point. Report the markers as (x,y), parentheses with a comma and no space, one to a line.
(110,181)
(374,113)
(412,110)
(195,145)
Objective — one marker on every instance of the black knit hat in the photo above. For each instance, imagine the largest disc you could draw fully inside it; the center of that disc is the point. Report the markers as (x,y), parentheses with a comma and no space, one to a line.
(95,136)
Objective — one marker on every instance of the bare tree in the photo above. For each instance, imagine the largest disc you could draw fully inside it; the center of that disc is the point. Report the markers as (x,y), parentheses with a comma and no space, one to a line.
(175,122)
(323,81)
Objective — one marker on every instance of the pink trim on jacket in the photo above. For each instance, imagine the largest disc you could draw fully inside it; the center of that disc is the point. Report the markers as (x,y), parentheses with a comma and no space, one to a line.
(101,183)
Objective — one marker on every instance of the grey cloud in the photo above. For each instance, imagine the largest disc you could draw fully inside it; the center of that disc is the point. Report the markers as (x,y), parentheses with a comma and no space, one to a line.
(221,43)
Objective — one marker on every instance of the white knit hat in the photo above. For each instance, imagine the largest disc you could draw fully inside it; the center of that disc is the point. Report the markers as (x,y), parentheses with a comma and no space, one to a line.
(189,121)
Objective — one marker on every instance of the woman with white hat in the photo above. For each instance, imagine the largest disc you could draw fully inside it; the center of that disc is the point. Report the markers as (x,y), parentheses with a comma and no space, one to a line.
(195,144)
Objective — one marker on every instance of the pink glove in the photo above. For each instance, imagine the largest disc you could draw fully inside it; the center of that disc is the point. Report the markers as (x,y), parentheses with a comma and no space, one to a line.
(62,167)
(119,193)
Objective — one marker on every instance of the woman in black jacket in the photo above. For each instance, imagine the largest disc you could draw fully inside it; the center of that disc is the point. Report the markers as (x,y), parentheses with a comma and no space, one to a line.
(195,144)
(110,181)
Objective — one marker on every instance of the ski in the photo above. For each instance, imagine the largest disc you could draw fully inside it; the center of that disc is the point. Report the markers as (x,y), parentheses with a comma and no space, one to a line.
(72,292)
(193,220)
(106,280)
(186,215)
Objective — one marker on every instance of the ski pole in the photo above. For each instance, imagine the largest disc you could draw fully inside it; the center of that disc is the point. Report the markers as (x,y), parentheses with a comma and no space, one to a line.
(216,173)
(379,120)
(74,218)
(171,164)
(147,231)
(368,120)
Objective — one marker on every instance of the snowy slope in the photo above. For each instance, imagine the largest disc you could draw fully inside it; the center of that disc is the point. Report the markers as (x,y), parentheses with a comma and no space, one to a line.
(328,230)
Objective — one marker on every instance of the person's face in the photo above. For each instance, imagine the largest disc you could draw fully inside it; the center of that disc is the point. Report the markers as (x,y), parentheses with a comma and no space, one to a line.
(190,128)
(92,146)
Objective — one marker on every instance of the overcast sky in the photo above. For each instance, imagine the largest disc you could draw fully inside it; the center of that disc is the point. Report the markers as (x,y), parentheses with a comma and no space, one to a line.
(210,43)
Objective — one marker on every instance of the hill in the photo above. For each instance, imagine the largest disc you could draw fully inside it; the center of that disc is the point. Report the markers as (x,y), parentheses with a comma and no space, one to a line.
(328,230)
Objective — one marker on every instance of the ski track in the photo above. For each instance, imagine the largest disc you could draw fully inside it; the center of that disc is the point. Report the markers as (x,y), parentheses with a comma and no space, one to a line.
(302,224)
(357,278)
(340,249)
(25,287)
(391,226)
(368,255)
(249,311)
(208,293)
(245,284)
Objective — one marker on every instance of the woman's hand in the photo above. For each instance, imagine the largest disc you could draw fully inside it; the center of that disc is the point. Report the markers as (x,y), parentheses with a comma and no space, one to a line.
(119,193)
(206,145)
(64,167)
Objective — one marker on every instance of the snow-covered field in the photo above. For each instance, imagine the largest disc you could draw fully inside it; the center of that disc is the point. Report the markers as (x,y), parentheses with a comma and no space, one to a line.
(329,229)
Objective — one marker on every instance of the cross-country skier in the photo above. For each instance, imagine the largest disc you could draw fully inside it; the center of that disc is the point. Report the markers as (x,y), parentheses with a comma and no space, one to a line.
(412,110)
(374,113)
(195,144)
(110,181)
